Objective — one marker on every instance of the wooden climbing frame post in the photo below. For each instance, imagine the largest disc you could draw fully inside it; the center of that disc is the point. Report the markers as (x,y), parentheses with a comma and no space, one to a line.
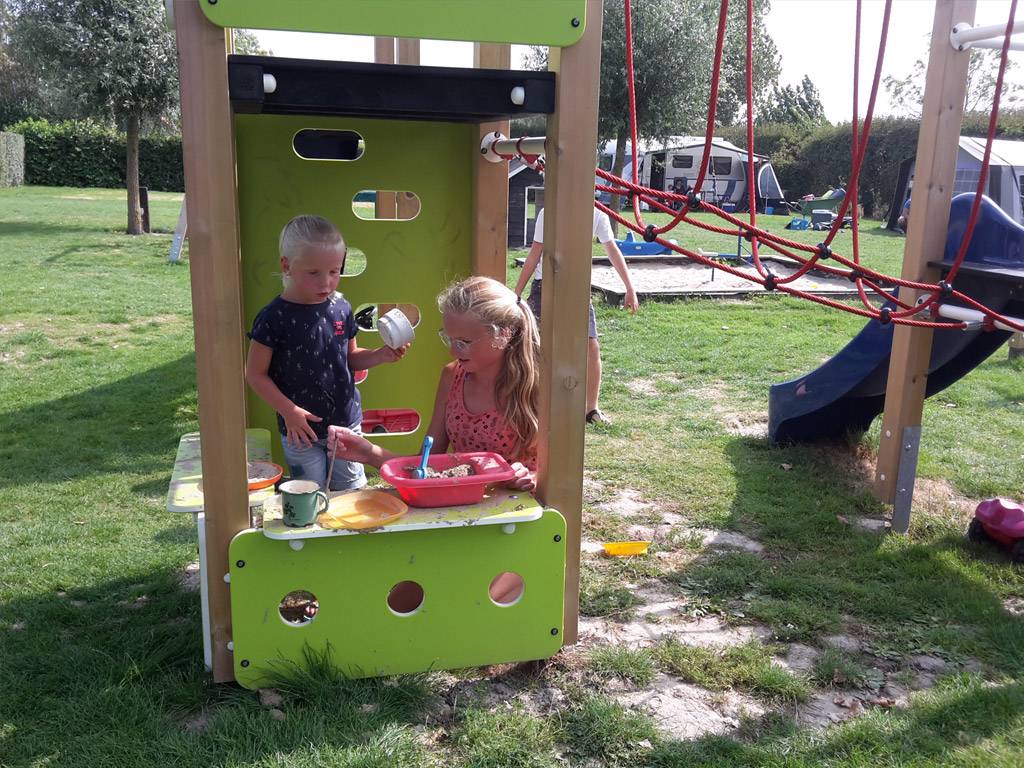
(937,147)
(208,148)
(568,233)
(490,183)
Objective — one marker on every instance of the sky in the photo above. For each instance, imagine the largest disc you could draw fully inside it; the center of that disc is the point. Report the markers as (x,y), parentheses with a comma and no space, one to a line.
(825,55)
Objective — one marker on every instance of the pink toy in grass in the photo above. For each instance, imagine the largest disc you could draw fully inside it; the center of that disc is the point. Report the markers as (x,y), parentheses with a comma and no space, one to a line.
(1002,521)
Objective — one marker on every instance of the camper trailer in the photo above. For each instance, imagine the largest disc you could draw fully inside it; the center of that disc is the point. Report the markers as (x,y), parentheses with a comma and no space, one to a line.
(672,166)
(1005,176)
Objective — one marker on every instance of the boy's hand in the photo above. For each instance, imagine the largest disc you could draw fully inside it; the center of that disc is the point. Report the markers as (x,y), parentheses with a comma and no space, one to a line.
(524,479)
(299,433)
(389,355)
(343,443)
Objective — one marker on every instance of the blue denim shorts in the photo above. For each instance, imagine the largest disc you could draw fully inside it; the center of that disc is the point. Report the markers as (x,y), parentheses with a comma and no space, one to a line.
(311,464)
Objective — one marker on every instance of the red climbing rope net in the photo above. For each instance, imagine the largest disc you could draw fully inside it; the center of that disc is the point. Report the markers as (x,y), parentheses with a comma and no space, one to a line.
(923,314)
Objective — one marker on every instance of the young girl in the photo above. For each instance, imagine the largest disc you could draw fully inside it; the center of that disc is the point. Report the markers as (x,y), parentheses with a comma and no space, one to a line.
(303,353)
(487,397)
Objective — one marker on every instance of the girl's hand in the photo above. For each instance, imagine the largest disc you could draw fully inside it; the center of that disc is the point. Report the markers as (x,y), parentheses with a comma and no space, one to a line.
(630,301)
(389,355)
(524,479)
(346,444)
(299,433)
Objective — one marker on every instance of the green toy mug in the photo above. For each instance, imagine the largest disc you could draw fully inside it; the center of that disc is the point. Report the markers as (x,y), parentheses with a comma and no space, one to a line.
(299,502)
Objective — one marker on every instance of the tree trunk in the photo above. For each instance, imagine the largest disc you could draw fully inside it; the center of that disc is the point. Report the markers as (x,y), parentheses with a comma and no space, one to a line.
(618,163)
(132,177)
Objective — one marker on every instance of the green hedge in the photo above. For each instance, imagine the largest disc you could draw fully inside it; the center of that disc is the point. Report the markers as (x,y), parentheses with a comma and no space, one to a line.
(12,160)
(810,160)
(85,154)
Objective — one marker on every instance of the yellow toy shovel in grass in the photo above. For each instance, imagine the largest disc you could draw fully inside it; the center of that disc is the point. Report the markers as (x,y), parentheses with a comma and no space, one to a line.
(625,548)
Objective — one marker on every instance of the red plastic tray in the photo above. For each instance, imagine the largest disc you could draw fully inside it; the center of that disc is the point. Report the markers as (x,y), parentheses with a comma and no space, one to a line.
(387,420)
(489,468)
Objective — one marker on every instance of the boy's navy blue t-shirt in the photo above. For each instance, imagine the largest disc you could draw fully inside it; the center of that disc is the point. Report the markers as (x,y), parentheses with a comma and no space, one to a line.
(310,360)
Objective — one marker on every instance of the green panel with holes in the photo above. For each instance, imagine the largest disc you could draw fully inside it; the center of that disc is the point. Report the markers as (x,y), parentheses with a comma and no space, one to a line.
(406,261)
(456,625)
(540,22)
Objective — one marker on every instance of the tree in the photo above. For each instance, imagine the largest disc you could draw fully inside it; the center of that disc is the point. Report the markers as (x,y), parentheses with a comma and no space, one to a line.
(732,91)
(793,105)
(907,93)
(245,43)
(115,59)
(673,52)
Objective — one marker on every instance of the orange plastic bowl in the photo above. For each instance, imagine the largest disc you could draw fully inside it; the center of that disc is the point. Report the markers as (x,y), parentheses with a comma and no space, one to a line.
(488,469)
(270,468)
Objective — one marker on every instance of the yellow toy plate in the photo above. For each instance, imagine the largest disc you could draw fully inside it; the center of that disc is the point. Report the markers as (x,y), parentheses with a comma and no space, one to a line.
(625,548)
(362,509)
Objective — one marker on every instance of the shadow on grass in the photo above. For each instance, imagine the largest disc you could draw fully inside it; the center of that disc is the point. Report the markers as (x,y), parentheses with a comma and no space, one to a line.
(46,230)
(948,726)
(880,232)
(112,674)
(128,425)
(926,593)
(102,249)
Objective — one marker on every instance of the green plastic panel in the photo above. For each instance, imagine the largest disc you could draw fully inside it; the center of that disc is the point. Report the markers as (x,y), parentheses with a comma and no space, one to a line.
(406,261)
(537,22)
(457,625)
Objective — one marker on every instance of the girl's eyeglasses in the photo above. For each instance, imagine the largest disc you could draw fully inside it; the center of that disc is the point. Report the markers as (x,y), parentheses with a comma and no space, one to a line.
(458,346)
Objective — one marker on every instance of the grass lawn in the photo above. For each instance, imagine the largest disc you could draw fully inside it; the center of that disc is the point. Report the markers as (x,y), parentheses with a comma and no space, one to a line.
(100,647)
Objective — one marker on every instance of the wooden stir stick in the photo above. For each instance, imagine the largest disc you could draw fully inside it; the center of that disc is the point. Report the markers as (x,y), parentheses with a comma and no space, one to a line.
(330,469)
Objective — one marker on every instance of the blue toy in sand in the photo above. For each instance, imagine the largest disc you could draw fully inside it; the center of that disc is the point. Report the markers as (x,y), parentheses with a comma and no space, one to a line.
(848,392)
(631,247)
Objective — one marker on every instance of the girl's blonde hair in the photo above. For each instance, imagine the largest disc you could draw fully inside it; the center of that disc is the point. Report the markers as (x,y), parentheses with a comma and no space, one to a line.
(305,232)
(512,322)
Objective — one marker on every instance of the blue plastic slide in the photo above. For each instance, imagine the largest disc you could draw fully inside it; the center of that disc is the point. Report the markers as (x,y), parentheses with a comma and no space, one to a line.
(846,393)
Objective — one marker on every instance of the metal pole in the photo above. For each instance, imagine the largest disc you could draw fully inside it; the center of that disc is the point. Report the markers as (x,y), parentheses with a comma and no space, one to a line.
(965,35)
(974,317)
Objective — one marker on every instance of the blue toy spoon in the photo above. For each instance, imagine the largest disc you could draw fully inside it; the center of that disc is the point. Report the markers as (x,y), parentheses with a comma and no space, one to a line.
(420,472)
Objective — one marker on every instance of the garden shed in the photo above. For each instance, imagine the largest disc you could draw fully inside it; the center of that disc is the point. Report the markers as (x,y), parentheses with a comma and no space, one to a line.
(525,198)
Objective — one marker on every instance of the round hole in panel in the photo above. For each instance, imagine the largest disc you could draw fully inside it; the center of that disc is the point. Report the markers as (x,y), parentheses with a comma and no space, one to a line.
(405,598)
(506,588)
(299,607)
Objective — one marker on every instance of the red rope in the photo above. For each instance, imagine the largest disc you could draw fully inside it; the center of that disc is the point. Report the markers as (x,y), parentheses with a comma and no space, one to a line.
(751,175)
(856,272)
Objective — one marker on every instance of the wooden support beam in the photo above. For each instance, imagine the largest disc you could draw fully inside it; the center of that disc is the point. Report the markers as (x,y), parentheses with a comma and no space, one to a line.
(408,50)
(937,148)
(568,233)
(384,50)
(490,183)
(407,205)
(386,204)
(209,156)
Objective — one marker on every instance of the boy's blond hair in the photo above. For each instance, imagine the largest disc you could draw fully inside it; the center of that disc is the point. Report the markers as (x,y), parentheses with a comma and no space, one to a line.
(307,231)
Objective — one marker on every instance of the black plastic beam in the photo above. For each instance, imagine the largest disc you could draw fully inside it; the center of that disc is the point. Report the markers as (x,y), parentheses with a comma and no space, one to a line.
(396,91)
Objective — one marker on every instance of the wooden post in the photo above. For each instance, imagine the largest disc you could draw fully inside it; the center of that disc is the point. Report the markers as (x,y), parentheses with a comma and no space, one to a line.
(1016,346)
(386,205)
(490,183)
(937,148)
(208,148)
(406,204)
(568,230)
(180,231)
